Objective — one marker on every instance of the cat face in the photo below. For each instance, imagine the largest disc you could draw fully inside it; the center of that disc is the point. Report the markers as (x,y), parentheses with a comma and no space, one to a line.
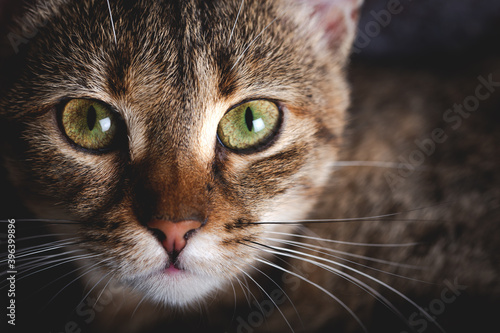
(169,146)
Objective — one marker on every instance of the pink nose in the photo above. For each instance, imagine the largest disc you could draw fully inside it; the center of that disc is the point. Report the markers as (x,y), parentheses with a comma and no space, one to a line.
(176,234)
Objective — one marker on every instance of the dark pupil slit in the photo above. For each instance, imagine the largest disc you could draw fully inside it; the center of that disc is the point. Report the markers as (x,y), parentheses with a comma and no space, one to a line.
(249,118)
(91,117)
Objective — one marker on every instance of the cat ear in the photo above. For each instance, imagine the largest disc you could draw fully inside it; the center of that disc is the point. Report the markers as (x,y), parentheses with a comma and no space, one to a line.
(338,20)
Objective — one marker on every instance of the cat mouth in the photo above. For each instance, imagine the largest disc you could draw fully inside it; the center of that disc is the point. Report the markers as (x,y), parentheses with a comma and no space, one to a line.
(172,269)
(173,266)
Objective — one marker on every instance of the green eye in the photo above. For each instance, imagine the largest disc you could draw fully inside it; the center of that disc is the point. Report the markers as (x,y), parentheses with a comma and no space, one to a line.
(89,123)
(249,125)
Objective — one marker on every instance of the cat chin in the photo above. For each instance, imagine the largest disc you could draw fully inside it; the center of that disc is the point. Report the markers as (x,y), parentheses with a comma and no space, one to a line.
(199,273)
(180,289)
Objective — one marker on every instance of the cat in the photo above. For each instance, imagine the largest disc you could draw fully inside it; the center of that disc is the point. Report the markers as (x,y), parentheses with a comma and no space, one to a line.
(195,165)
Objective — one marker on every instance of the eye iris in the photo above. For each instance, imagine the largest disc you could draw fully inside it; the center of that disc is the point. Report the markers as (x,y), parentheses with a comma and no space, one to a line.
(89,124)
(249,125)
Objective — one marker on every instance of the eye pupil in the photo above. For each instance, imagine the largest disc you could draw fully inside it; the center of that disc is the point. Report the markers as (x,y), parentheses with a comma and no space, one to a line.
(249,118)
(91,117)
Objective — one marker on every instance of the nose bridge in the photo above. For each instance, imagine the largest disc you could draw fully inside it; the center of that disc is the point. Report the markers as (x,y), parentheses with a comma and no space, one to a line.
(180,189)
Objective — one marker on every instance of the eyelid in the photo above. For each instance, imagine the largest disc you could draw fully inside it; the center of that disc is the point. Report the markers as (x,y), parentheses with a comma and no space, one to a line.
(253,99)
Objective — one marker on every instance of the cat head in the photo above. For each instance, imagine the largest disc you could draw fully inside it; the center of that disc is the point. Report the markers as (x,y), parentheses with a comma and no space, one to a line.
(171,131)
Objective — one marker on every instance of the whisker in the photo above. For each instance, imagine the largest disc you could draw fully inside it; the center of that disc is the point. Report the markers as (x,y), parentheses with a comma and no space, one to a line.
(235,300)
(55,247)
(77,278)
(57,262)
(234,26)
(354,219)
(250,44)
(244,292)
(360,284)
(31,255)
(320,288)
(104,288)
(251,294)
(138,304)
(382,218)
(375,217)
(30,261)
(38,249)
(397,292)
(286,295)
(365,266)
(377,164)
(40,236)
(112,22)
(95,285)
(343,242)
(65,260)
(52,221)
(66,241)
(268,296)
(312,247)
(30,265)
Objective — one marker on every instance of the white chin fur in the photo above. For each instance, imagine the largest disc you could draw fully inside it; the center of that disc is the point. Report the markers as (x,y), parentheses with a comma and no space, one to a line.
(202,275)
(181,290)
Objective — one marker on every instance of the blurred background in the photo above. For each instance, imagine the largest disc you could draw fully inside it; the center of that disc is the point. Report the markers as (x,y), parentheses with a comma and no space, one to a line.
(430,29)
